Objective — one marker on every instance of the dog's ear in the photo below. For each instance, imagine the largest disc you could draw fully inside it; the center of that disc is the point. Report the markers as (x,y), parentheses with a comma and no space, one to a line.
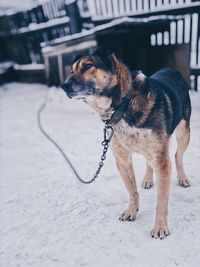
(115,60)
(77,58)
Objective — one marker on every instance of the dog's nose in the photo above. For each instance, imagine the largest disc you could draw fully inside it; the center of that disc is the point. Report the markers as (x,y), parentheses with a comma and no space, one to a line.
(65,86)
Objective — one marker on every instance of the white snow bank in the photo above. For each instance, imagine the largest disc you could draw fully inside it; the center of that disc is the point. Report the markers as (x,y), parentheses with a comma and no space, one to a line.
(49,219)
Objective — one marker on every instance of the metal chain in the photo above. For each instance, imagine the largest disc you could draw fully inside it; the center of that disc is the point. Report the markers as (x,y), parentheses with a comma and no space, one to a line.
(108,133)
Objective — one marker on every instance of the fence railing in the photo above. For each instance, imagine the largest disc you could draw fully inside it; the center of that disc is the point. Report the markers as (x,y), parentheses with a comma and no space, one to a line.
(56,8)
(109,9)
(53,8)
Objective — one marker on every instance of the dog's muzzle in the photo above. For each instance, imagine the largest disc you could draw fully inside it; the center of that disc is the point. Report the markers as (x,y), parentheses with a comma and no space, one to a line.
(78,88)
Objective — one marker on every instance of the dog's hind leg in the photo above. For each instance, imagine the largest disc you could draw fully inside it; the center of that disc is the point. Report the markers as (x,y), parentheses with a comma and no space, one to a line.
(182,137)
(148,177)
(125,167)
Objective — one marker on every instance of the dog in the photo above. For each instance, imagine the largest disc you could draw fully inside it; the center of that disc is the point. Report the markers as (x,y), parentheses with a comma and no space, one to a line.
(151,109)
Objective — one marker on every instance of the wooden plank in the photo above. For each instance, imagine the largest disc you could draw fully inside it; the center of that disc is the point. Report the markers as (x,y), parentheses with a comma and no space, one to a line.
(103,7)
(145,5)
(115,8)
(180,32)
(197,40)
(173,32)
(121,7)
(133,6)
(99,10)
(153,39)
(193,39)
(152,4)
(127,6)
(187,28)
(159,38)
(180,2)
(166,38)
(159,4)
(139,5)
(166,3)
(47,10)
(110,8)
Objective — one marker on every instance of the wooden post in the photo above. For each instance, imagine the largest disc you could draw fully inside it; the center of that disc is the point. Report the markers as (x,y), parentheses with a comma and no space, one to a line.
(74,15)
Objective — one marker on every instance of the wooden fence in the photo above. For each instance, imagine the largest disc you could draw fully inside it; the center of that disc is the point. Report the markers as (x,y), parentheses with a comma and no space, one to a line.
(185,30)
(24,32)
(110,9)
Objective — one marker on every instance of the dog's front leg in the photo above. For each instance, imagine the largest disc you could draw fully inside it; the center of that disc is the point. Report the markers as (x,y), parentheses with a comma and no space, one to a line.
(163,173)
(125,167)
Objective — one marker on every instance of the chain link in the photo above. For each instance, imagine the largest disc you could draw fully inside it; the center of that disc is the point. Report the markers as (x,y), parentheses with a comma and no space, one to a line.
(108,133)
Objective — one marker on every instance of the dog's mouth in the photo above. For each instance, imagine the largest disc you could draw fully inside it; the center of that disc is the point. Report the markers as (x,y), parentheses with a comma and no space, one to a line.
(77,96)
(78,91)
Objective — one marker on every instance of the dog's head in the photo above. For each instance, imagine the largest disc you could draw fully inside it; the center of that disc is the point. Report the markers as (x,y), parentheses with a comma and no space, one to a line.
(92,75)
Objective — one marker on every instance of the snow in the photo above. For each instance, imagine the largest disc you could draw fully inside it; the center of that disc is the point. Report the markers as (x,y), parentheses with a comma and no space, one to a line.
(49,219)
(32,66)
(42,26)
(4,66)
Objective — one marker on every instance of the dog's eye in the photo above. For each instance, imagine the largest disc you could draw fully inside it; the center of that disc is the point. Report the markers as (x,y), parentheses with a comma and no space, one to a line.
(86,67)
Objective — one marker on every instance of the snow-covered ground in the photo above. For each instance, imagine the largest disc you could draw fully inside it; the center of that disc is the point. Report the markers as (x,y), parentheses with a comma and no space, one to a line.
(49,219)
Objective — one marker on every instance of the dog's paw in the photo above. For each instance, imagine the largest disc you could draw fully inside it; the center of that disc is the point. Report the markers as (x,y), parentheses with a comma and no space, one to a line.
(147,183)
(184,182)
(160,231)
(128,214)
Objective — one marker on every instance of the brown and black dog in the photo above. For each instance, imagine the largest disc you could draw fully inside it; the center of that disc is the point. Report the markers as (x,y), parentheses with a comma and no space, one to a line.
(158,105)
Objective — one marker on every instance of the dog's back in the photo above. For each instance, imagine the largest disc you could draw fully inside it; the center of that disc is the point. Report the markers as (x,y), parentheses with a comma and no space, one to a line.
(172,86)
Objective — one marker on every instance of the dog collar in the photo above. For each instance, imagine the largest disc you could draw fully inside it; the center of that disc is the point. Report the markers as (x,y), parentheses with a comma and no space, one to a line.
(123,106)
(120,110)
